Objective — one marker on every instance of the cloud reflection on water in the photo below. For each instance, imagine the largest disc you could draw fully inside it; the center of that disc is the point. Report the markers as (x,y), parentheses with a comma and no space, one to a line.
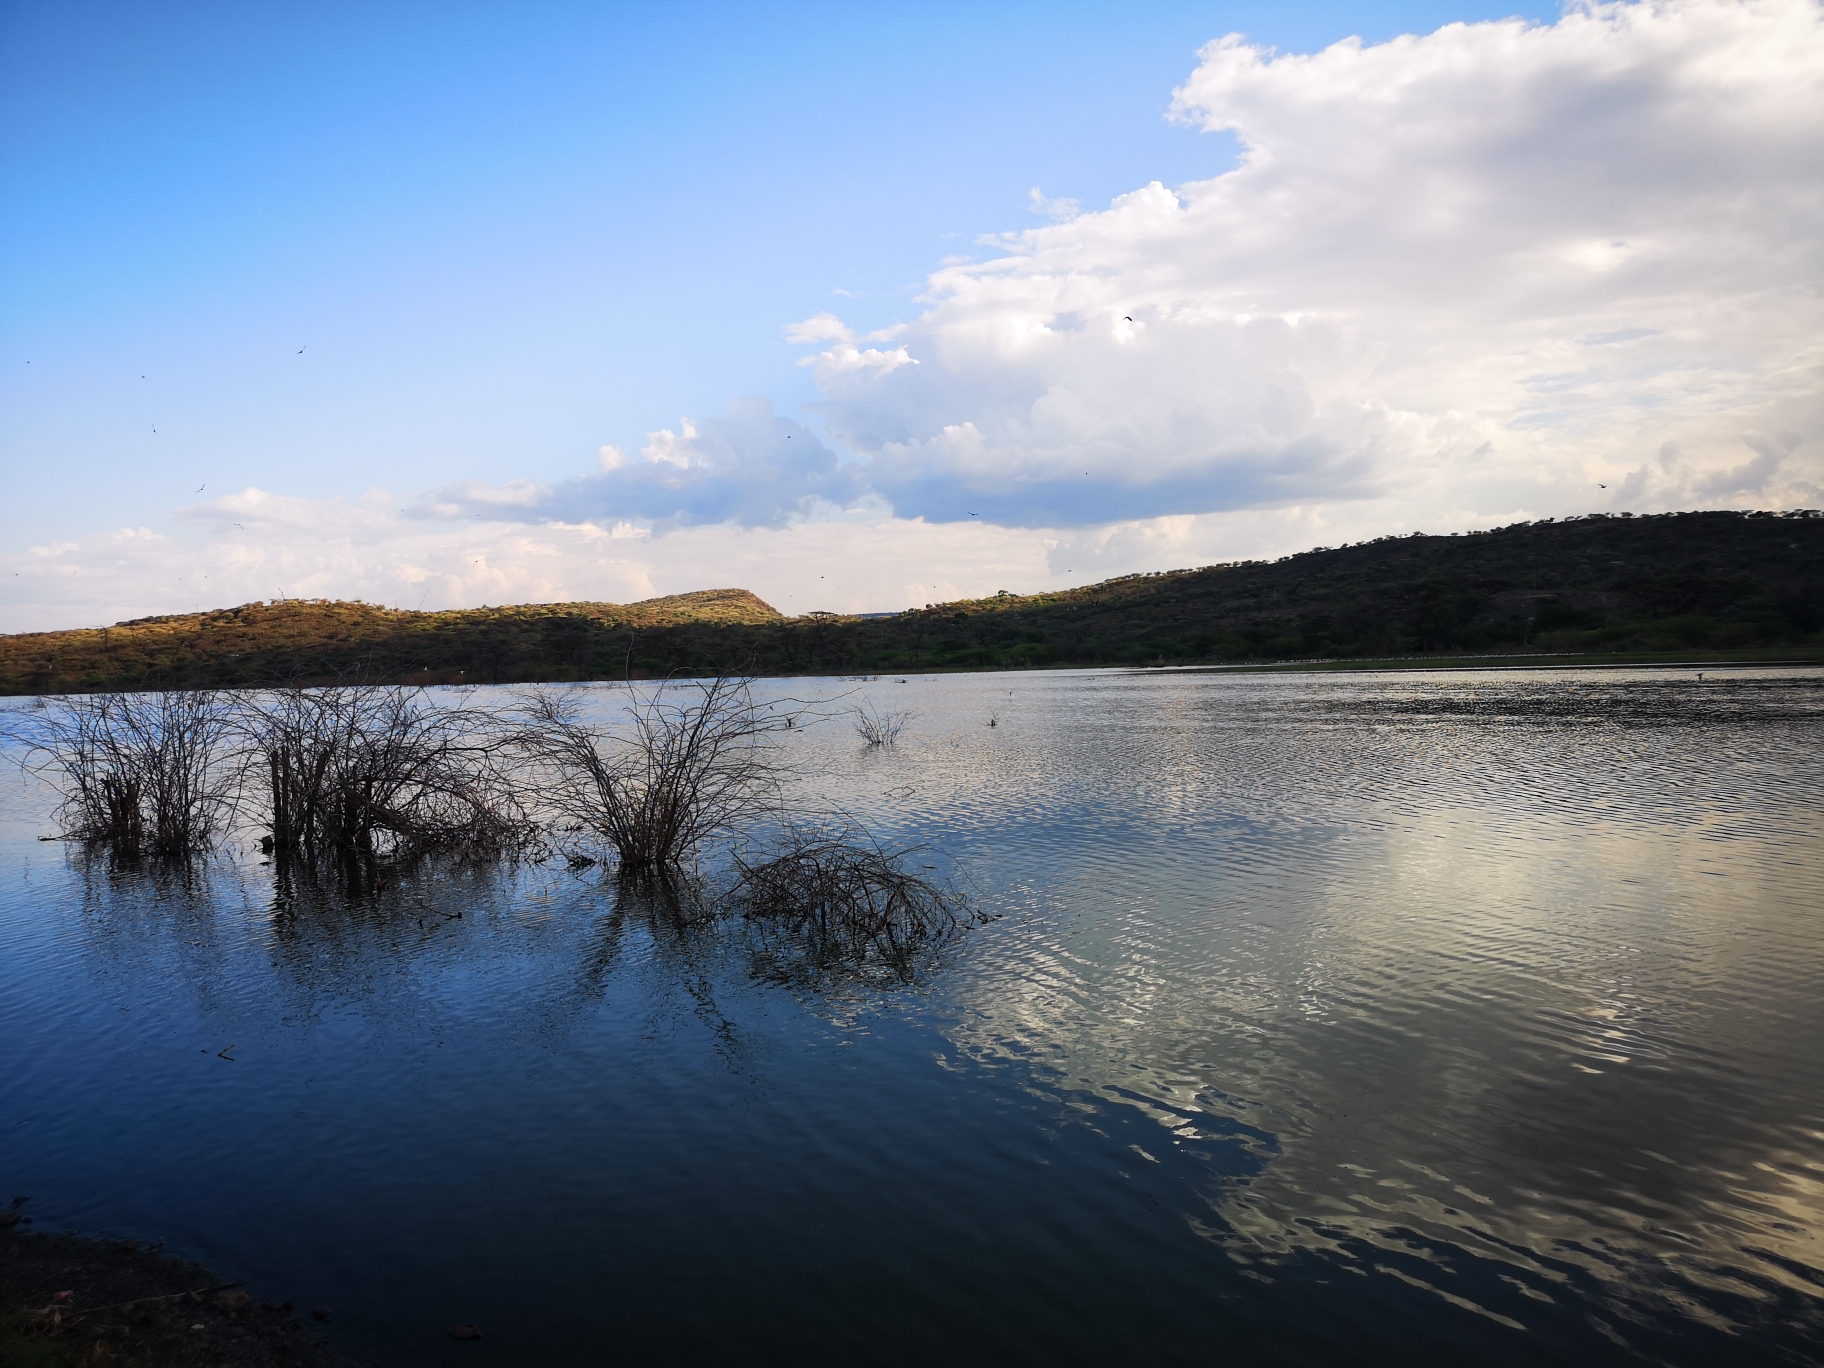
(1319,999)
(1513,974)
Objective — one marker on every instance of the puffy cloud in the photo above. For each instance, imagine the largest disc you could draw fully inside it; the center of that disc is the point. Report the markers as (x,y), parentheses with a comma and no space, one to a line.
(258,545)
(1041,203)
(823,327)
(748,467)
(1489,268)
(1494,269)
(1453,281)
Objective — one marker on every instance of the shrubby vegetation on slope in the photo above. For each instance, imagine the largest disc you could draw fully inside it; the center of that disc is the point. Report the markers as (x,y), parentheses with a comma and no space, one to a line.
(1676,582)
(298,641)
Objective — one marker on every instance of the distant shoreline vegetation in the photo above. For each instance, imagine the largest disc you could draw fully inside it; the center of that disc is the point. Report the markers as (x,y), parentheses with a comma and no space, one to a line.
(1614,587)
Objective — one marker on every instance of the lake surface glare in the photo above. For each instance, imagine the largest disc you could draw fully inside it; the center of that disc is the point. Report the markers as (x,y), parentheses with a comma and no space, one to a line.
(1324,1018)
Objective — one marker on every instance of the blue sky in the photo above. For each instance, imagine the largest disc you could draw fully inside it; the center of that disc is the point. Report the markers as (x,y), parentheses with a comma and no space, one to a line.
(506,237)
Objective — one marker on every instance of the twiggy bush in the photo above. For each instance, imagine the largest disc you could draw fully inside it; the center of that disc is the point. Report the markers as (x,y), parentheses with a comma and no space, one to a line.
(688,761)
(384,770)
(143,772)
(879,728)
(846,894)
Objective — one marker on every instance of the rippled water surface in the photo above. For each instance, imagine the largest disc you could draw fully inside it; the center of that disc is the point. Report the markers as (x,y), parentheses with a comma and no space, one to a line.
(1325,1019)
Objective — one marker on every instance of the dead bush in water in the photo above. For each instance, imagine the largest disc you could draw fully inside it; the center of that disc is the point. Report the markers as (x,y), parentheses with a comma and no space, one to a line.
(142,772)
(846,894)
(688,761)
(879,728)
(384,769)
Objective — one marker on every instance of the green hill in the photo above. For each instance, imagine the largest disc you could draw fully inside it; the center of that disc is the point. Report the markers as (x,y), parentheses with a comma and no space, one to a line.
(1694,585)
(321,639)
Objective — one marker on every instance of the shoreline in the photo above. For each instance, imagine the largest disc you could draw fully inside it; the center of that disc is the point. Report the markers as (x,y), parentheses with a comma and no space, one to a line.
(69,1299)
(1784,660)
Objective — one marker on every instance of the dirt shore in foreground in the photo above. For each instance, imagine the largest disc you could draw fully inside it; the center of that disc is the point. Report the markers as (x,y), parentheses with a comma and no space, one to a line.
(66,1299)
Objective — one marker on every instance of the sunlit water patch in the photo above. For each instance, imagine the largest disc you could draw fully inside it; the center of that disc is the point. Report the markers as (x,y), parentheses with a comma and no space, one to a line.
(1322,1018)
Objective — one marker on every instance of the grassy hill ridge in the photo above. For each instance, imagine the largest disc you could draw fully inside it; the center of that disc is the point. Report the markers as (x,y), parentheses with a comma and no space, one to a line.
(322,638)
(1683,583)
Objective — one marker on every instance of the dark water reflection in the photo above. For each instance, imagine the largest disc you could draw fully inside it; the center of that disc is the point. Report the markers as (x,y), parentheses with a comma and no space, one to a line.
(1325,1019)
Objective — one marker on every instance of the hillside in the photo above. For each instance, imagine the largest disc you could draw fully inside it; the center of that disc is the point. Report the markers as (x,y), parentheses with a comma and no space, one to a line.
(1685,583)
(320,639)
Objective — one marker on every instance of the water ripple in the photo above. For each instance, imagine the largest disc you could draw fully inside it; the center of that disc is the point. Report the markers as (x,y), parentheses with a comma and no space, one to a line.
(1467,1017)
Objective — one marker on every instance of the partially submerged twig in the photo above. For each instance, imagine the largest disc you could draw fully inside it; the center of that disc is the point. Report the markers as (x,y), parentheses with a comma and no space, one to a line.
(684,766)
(383,769)
(847,893)
(144,773)
(879,728)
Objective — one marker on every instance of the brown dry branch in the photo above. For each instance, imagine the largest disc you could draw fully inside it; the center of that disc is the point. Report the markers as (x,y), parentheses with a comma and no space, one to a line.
(847,895)
(384,770)
(687,761)
(879,728)
(144,773)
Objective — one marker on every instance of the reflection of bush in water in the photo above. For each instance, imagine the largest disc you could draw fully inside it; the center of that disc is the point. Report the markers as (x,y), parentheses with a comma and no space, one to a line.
(672,898)
(814,905)
(353,880)
(788,958)
(362,785)
(106,872)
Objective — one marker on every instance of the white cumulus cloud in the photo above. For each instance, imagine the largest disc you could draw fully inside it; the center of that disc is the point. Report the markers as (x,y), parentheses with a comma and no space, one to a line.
(1501,271)
(1488,269)
(258,545)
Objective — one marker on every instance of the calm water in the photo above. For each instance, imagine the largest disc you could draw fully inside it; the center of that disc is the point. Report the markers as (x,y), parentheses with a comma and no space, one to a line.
(1327,1019)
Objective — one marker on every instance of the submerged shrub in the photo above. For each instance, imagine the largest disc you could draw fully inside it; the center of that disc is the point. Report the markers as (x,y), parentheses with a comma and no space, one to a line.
(688,761)
(845,894)
(384,769)
(142,772)
(879,728)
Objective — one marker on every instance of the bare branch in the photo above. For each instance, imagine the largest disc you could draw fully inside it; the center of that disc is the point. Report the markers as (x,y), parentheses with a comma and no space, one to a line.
(384,770)
(142,772)
(689,761)
(879,728)
(847,896)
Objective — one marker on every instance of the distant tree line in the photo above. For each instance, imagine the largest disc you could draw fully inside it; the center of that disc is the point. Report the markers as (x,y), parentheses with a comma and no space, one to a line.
(1682,582)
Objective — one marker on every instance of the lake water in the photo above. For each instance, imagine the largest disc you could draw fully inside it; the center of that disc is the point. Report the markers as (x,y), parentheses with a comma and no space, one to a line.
(1325,1018)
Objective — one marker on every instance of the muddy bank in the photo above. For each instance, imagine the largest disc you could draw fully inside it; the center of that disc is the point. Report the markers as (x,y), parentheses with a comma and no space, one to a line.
(66,1299)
